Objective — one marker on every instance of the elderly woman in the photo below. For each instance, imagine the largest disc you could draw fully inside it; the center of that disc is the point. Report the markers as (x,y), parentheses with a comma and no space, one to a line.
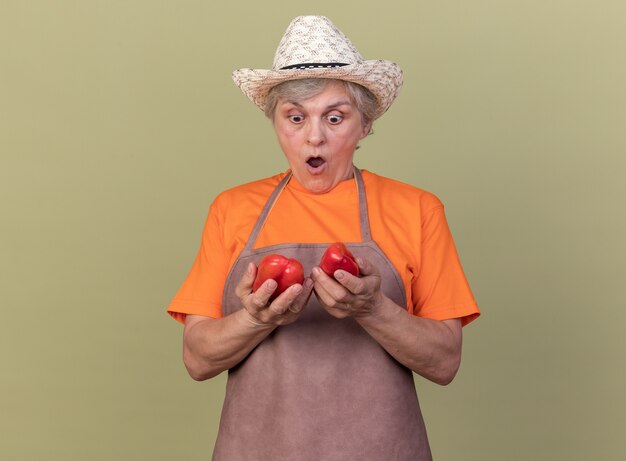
(324,370)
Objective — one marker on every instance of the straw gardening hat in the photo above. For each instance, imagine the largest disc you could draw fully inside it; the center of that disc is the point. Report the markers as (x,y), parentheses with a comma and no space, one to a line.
(313,47)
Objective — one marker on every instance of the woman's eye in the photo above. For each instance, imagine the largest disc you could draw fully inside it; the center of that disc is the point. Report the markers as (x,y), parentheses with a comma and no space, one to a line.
(334,119)
(296,118)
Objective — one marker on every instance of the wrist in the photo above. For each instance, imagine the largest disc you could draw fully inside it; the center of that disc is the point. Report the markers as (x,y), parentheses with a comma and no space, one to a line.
(381,310)
(250,321)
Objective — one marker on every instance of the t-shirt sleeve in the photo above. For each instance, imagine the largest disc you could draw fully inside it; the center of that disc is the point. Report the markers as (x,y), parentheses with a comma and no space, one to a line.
(201,292)
(440,289)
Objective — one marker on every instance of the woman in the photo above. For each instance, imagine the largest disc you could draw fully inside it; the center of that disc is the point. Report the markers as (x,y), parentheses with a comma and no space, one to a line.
(323,371)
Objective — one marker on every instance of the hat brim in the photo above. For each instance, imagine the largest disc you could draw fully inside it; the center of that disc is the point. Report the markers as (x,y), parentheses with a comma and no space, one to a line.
(382,78)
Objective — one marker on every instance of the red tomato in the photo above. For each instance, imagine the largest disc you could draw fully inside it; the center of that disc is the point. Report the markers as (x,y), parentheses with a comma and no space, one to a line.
(285,271)
(337,256)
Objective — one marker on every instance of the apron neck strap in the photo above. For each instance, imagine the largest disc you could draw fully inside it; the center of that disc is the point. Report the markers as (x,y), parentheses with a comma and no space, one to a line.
(364,220)
(366,234)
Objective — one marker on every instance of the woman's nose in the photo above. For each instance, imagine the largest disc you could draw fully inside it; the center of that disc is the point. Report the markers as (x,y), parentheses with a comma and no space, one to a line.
(315,135)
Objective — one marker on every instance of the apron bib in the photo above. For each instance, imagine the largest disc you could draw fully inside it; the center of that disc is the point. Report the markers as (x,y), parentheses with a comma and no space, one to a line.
(321,388)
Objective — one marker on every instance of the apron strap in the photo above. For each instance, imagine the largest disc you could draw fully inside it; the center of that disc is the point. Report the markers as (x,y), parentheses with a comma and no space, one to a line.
(364,223)
(264,213)
(364,220)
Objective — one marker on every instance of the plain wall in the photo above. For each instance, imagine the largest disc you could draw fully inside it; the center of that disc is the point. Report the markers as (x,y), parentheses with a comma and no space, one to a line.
(119,124)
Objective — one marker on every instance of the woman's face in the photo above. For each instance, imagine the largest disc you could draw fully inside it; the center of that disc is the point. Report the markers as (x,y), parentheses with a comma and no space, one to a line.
(318,136)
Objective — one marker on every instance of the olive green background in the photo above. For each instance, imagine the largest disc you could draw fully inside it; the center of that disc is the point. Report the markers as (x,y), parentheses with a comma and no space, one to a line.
(119,124)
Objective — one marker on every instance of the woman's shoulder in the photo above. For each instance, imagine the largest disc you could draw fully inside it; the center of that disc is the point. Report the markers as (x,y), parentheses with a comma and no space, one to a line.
(247,193)
(399,193)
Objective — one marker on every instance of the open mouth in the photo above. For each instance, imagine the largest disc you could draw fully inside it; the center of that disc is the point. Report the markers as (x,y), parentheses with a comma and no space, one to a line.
(316,162)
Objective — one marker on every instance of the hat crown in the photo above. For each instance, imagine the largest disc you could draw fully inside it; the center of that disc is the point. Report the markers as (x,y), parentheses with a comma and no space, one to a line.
(312,47)
(314,39)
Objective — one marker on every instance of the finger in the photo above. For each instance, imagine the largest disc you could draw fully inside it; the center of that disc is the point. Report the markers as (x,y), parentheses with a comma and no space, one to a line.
(368,280)
(330,283)
(260,298)
(366,267)
(303,298)
(338,309)
(280,305)
(323,280)
(351,283)
(244,287)
(327,289)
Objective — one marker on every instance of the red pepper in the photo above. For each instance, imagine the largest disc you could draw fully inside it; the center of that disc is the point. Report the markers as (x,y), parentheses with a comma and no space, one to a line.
(285,271)
(337,256)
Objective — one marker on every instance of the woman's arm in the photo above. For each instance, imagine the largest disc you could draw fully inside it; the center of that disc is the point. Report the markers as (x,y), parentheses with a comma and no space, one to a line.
(431,348)
(211,346)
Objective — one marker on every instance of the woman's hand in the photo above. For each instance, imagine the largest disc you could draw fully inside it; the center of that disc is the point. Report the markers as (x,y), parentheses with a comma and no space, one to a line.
(431,348)
(211,346)
(285,309)
(346,295)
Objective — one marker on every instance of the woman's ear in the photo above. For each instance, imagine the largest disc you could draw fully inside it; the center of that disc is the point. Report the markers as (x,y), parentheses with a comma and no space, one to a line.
(367,129)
